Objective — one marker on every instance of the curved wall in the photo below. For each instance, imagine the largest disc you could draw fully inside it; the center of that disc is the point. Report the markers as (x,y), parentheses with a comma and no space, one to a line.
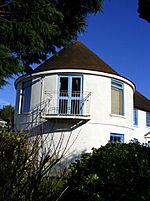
(92,133)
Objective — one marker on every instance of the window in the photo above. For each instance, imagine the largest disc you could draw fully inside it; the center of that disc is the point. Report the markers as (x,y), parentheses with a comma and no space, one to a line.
(148,119)
(25,96)
(135,140)
(148,144)
(70,94)
(117,138)
(135,117)
(117,102)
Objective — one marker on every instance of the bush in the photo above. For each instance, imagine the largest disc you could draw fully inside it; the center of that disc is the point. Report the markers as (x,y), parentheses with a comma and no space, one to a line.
(25,174)
(119,172)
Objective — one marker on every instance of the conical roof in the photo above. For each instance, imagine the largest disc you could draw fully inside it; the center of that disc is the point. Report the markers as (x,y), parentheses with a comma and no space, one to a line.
(78,56)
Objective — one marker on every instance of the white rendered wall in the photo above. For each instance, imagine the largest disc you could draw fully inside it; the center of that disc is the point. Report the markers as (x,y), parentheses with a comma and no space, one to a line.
(100,88)
(84,138)
(96,131)
(141,129)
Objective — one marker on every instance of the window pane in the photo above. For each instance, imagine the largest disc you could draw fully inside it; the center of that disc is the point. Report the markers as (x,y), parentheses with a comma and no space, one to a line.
(63,106)
(117,101)
(135,140)
(111,138)
(117,138)
(148,119)
(26,96)
(135,117)
(63,86)
(76,82)
(69,95)
(75,106)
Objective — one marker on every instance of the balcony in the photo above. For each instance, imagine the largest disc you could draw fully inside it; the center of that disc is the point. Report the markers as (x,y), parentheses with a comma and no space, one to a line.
(64,104)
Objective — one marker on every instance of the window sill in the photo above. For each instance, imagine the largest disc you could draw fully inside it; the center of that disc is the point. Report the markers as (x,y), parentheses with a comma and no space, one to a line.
(118,116)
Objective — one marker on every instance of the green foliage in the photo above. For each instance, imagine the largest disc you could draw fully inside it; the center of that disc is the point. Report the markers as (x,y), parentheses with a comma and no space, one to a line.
(9,65)
(7,114)
(117,172)
(31,30)
(144,9)
(25,172)
(13,153)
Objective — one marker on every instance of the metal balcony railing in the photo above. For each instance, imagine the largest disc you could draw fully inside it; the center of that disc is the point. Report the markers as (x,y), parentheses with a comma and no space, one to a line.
(66,103)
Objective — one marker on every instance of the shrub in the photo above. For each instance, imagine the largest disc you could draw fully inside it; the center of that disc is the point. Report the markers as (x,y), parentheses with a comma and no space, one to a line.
(25,174)
(119,172)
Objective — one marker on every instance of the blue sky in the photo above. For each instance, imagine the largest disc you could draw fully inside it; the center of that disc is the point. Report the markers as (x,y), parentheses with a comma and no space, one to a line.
(120,38)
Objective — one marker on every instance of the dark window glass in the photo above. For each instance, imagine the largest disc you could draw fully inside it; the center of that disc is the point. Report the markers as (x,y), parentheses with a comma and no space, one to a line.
(76,83)
(135,140)
(63,106)
(75,107)
(117,138)
(63,86)
(26,96)
(70,94)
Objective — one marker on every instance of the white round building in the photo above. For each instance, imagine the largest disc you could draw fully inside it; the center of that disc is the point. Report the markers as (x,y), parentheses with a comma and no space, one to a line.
(77,95)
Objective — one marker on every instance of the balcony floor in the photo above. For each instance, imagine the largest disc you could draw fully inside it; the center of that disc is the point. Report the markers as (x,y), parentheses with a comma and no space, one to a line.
(64,116)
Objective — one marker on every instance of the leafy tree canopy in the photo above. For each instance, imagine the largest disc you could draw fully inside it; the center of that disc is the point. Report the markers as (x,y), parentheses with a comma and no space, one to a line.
(144,9)
(7,114)
(32,29)
(118,172)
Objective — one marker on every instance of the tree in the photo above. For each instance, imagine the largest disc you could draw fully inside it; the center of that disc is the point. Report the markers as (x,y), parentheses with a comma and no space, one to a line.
(113,172)
(7,114)
(144,9)
(31,30)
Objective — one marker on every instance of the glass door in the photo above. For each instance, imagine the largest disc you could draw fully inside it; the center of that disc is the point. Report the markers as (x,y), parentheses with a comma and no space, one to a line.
(70,95)
(76,95)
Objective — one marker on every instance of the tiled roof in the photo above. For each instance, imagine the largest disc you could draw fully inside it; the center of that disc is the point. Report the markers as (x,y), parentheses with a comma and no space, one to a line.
(78,56)
(141,102)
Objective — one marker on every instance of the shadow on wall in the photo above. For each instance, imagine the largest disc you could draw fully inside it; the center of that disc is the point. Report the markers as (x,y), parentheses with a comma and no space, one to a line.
(55,126)
(58,148)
